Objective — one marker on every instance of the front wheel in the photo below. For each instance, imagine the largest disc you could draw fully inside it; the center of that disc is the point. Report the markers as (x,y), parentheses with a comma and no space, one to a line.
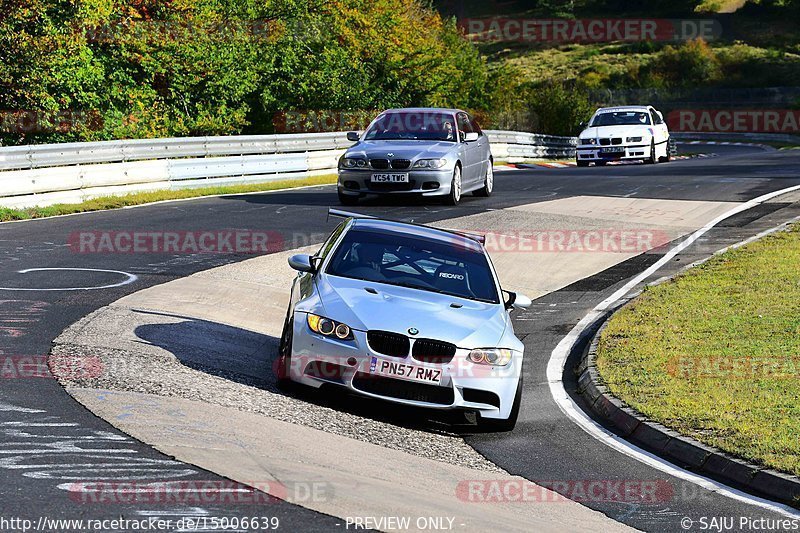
(455,188)
(488,182)
(284,362)
(653,159)
(668,153)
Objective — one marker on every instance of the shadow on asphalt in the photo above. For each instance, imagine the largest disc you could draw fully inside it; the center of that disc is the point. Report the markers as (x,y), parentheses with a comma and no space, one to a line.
(248,358)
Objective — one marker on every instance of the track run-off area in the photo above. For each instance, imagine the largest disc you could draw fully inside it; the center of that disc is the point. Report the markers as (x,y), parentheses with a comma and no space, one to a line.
(163,404)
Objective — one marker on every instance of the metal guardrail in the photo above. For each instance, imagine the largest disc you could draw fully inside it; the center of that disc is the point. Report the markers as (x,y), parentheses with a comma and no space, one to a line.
(73,172)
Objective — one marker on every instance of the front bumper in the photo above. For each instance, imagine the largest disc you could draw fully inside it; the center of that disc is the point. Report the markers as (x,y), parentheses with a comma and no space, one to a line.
(318,360)
(358,183)
(593,153)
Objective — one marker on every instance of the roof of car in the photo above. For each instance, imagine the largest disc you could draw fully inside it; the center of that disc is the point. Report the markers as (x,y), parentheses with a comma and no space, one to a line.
(424,110)
(417,230)
(623,108)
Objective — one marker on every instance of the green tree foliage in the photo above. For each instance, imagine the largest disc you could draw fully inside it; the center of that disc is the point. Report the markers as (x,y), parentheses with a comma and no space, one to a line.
(102,69)
(559,108)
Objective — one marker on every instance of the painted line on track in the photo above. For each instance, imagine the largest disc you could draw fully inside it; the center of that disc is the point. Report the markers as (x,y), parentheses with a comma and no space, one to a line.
(130,278)
(558,361)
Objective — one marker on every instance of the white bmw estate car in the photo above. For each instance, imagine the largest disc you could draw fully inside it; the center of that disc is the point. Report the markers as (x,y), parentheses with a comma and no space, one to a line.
(623,134)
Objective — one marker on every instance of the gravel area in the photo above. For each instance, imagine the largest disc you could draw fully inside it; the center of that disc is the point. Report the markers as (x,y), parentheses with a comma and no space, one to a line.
(150,352)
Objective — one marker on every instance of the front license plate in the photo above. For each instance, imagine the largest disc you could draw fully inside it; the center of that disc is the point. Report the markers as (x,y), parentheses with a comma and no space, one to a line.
(390,178)
(612,150)
(390,369)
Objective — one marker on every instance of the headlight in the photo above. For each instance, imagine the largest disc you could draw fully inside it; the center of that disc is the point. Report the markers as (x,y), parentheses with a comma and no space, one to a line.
(634,139)
(352,162)
(588,141)
(430,163)
(491,356)
(329,328)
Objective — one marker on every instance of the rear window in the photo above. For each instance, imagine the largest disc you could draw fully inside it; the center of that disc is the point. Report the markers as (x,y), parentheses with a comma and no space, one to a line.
(418,263)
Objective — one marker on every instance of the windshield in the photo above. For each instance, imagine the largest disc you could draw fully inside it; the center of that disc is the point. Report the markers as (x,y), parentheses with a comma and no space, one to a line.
(422,126)
(621,118)
(418,263)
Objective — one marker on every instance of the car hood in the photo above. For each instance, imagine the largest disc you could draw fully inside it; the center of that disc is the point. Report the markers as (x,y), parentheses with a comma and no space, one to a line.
(401,149)
(617,131)
(397,309)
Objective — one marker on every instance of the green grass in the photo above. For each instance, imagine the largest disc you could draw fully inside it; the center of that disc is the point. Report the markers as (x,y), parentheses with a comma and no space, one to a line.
(115,202)
(715,353)
(621,65)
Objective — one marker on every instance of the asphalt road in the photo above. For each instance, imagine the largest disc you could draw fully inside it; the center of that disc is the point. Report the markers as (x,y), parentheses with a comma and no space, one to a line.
(47,440)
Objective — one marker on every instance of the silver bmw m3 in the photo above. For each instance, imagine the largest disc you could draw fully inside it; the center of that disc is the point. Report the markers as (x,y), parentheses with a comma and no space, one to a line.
(420,151)
(408,314)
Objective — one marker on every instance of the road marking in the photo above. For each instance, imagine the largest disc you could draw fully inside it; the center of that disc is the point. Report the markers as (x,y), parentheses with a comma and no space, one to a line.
(130,278)
(558,361)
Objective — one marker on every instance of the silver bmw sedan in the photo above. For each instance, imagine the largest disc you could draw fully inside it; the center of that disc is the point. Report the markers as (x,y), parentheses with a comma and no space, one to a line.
(419,151)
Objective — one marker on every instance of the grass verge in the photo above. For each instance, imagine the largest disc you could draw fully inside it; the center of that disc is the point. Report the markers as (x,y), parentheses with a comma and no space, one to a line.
(139,198)
(715,353)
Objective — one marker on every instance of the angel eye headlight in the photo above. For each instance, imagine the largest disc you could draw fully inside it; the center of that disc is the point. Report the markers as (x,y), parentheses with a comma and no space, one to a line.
(588,141)
(342,331)
(352,162)
(329,328)
(491,356)
(430,163)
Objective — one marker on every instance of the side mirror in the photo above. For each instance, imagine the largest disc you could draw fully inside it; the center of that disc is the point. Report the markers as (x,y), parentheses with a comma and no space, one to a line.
(583,124)
(353,136)
(302,263)
(471,137)
(517,301)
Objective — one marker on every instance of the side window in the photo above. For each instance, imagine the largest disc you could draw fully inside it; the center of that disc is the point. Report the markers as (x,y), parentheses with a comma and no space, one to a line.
(655,117)
(326,247)
(464,125)
(475,126)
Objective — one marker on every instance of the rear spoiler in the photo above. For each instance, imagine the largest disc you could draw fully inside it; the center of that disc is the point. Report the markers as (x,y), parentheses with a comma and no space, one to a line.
(338,213)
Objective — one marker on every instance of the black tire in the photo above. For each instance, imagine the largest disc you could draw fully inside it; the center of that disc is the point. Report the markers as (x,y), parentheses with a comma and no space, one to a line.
(668,157)
(488,182)
(495,425)
(345,199)
(652,160)
(582,163)
(284,363)
(455,188)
